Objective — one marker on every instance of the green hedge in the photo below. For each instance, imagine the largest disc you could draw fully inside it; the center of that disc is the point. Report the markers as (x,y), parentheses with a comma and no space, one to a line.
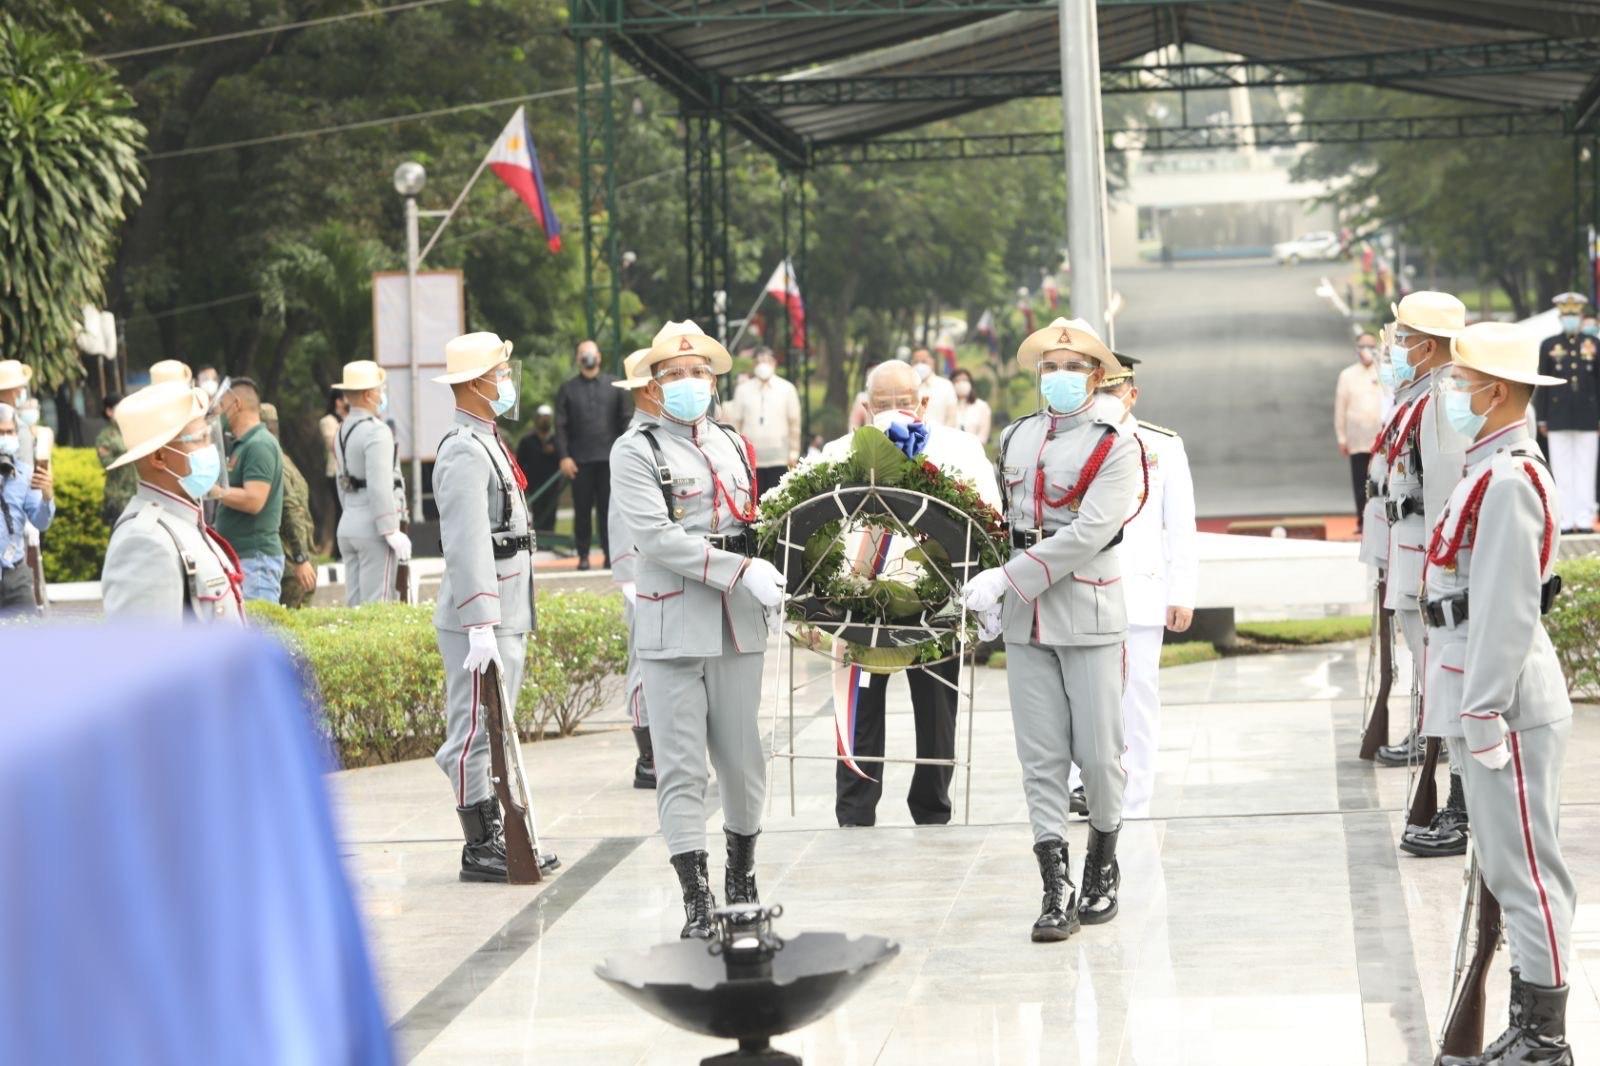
(379,677)
(1308,630)
(1574,625)
(75,544)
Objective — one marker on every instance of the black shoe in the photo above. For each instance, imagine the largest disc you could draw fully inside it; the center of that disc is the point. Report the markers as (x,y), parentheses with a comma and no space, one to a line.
(583,561)
(1058,911)
(1079,803)
(644,767)
(1404,753)
(698,902)
(1101,878)
(483,858)
(739,882)
(1446,834)
(1537,1033)
(608,562)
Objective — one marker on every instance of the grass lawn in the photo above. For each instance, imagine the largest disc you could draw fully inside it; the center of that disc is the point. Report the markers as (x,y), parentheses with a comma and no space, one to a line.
(1308,630)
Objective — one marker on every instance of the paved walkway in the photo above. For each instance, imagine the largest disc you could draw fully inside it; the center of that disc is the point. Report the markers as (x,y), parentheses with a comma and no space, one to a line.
(1266,915)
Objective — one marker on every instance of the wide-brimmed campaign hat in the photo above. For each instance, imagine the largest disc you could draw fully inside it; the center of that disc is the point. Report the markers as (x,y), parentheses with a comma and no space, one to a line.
(170,370)
(471,356)
(361,375)
(685,338)
(1501,350)
(633,377)
(151,417)
(13,375)
(1067,335)
(1438,314)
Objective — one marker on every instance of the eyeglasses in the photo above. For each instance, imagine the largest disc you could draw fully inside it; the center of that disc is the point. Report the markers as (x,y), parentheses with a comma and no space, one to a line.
(1460,384)
(681,373)
(1049,366)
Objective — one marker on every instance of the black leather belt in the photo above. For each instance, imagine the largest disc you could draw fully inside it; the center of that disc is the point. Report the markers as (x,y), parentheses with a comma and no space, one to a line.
(742,543)
(507,546)
(1396,511)
(1023,539)
(1373,489)
(1451,611)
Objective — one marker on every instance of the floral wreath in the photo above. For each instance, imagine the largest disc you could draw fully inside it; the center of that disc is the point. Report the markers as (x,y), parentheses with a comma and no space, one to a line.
(888,621)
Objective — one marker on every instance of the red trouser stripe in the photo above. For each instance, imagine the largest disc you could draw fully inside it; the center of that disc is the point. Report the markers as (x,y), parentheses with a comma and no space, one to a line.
(1533,863)
(472,730)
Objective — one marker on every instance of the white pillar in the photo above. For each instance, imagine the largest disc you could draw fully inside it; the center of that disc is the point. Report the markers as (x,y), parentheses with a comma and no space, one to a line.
(411,347)
(1083,134)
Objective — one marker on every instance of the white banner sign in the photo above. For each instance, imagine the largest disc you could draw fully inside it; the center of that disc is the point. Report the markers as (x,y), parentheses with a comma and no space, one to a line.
(441,317)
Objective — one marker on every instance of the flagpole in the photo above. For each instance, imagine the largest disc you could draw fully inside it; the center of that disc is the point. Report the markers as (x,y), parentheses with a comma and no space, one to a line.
(476,174)
(737,337)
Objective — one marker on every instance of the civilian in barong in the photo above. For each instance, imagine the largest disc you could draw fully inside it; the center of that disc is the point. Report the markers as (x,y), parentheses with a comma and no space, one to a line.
(1071,476)
(893,401)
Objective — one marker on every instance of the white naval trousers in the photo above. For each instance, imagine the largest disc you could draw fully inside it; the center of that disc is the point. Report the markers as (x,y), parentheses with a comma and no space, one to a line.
(1572,460)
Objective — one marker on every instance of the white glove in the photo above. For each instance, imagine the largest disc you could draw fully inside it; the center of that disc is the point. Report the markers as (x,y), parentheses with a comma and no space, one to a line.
(775,621)
(989,626)
(1495,758)
(982,594)
(764,582)
(482,649)
(400,544)
(630,592)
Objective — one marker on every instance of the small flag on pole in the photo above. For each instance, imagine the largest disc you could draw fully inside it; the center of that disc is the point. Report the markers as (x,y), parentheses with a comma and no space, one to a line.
(784,287)
(515,161)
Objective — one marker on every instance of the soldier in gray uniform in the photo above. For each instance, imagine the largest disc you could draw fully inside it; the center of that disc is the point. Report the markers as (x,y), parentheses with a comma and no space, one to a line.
(686,486)
(1071,476)
(620,549)
(485,610)
(1495,686)
(163,561)
(1422,473)
(371,489)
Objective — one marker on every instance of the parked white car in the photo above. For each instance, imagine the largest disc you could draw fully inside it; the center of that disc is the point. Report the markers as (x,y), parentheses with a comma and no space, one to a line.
(1321,244)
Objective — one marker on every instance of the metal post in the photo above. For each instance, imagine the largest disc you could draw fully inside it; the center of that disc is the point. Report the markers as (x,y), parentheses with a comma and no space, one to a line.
(805,349)
(1084,138)
(1594,221)
(411,347)
(783,199)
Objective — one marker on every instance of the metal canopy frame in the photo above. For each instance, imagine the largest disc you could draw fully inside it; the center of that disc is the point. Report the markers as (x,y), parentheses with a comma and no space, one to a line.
(830,82)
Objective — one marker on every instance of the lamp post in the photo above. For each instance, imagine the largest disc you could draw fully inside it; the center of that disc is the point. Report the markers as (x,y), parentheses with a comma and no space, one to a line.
(1083,135)
(409,178)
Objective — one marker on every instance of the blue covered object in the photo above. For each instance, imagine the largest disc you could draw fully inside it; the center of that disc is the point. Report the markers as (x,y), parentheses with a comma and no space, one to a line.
(909,437)
(171,891)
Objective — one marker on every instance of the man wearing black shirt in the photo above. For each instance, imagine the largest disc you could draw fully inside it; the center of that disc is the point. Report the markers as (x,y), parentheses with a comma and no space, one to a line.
(536,454)
(590,416)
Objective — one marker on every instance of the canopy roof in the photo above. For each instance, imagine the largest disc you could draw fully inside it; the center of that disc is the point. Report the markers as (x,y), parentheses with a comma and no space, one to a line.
(797,75)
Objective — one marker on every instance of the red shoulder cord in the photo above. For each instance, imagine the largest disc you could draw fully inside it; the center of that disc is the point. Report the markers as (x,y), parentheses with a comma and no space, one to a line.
(1440,554)
(236,569)
(1381,441)
(719,490)
(1074,495)
(1400,440)
(1144,472)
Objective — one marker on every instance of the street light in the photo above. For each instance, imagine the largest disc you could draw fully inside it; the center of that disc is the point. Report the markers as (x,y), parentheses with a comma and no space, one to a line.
(409,178)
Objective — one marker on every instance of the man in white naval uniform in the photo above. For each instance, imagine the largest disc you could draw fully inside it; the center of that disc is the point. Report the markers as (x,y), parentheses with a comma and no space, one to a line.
(1495,686)
(371,491)
(621,551)
(1071,475)
(1159,573)
(1422,473)
(163,561)
(686,486)
(485,610)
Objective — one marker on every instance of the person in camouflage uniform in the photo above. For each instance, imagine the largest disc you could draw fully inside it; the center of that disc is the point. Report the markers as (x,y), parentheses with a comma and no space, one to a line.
(297,530)
(121,482)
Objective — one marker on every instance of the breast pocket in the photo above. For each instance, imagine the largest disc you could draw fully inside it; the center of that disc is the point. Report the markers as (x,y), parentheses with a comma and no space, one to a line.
(1096,592)
(658,610)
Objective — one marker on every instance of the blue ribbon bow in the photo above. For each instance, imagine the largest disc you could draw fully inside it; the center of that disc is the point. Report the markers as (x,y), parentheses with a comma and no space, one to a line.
(909,437)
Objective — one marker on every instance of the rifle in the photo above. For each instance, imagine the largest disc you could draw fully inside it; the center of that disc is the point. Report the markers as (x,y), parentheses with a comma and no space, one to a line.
(1463,1020)
(1425,797)
(44,439)
(1377,731)
(523,860)
(402,575)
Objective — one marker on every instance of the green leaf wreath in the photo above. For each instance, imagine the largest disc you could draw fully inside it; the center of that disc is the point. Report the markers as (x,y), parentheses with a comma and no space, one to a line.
(876,460)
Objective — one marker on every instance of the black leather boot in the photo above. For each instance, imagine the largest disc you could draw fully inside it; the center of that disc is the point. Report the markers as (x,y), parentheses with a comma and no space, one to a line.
(1058,912)
(739,882)
(1404,753)
(1079,803)
(483,858)
(698,902)
(1446,834)
(1101,878)
(644,768)
(1537,1033)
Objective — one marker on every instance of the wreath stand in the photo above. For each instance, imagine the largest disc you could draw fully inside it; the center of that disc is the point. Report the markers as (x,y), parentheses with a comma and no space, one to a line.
(900,512)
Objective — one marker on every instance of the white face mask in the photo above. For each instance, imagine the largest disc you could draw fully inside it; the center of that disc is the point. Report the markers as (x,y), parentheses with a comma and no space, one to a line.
(763,371)
(963,388)
(924,371)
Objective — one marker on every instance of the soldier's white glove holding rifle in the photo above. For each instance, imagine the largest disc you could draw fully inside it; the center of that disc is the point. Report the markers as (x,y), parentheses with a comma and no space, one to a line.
(400,544)
(482,649)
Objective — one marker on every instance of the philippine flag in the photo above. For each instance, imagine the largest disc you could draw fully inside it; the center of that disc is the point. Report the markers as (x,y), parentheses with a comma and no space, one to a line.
(515,162)
(784,288)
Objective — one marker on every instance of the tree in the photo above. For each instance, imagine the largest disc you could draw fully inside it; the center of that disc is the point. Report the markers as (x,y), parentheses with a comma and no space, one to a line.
(68,172)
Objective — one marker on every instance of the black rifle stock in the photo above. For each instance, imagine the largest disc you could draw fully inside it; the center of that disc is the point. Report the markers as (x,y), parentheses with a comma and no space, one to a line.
(1425,800)
(1377,732)
(1463,1022)
(510,787)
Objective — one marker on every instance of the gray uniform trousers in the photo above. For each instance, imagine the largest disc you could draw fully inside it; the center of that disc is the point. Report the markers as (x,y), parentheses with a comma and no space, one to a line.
(464,756)
(369,568)
(1516,815)
(1066,706)
(706,704)
(633,686)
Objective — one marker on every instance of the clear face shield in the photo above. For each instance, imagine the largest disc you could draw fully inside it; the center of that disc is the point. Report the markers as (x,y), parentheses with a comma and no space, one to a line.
(213,418)
(502,387)
(1455,425)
